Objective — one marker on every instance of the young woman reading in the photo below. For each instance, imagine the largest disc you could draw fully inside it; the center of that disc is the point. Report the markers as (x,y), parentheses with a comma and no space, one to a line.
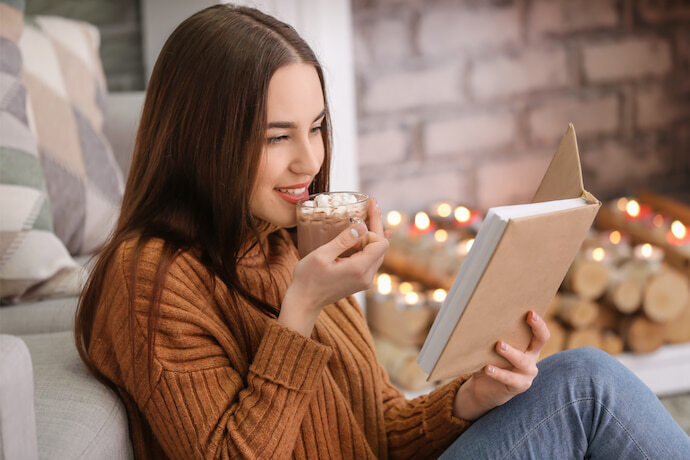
(222,343)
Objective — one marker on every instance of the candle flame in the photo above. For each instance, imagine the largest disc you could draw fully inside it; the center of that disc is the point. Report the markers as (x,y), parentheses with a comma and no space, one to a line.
(439,295)
(598,254)
(411,298)
(405,288)
(632,208)
(441,235)
(646,250)
(678,229)
(462,214)
(622,203)
(658,220)
(444,209)
(421,220)
(384,283)
(615,237)
(393,218)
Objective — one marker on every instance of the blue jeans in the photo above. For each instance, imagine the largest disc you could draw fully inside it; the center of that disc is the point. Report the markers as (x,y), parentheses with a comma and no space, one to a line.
(582,404)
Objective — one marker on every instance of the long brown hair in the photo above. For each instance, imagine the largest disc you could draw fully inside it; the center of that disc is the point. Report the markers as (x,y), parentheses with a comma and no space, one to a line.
(196,155)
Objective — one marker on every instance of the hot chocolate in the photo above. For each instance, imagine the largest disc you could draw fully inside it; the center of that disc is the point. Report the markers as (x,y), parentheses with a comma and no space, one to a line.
(321,217)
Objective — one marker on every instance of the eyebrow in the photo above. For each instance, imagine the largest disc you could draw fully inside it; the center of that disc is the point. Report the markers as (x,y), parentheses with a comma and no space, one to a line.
(289,124)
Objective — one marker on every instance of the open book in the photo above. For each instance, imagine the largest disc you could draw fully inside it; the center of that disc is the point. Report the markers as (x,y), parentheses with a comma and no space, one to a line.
(516,264)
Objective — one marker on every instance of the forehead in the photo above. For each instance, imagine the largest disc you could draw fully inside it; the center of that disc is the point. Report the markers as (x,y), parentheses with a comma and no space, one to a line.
(294,94)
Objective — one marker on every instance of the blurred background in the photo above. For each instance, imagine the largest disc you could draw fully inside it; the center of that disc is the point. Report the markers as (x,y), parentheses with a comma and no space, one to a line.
(468,99)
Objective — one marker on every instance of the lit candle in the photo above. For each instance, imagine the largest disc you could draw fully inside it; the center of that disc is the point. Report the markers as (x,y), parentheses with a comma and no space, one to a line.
(442,212)
(436,297)
(414,299)
(617,245)
(422,225)
(464,217)
(598,254)
(635,212)
(395,222)
(678,234)
(649,253)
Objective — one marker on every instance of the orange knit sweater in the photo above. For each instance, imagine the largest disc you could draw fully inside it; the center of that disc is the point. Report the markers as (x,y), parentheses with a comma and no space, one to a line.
(229,382)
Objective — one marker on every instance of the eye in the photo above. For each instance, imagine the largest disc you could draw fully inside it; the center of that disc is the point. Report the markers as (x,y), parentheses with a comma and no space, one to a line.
(276,139)
(317,129)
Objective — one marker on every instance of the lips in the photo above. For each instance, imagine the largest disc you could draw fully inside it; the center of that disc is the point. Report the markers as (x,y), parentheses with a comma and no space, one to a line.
(293,193)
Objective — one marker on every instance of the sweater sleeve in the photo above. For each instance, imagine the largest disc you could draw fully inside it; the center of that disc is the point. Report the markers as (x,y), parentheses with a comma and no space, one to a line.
(422,427)
(205,403)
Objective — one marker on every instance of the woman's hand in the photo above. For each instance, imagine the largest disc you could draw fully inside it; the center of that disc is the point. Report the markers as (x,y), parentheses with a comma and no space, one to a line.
(322,277)
(493,386)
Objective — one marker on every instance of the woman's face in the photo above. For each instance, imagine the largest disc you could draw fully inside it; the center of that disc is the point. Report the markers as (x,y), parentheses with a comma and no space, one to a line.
(294,149)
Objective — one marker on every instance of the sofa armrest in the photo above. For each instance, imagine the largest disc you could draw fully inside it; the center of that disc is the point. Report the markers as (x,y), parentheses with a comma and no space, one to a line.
(123,111)
(17,416)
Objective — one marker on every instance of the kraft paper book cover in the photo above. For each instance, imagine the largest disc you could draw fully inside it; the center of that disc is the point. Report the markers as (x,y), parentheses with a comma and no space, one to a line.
(517,263)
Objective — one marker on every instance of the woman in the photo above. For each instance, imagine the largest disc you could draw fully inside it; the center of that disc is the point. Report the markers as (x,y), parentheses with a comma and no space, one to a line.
(220,342)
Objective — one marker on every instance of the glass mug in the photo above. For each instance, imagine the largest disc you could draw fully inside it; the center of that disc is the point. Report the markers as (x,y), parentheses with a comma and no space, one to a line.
(318,224)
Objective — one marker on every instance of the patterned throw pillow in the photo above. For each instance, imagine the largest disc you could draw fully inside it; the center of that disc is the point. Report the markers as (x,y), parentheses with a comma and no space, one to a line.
(65,81)
(33,261)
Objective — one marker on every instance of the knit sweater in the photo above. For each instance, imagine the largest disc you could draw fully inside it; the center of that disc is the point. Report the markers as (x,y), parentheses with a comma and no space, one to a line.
(230,382)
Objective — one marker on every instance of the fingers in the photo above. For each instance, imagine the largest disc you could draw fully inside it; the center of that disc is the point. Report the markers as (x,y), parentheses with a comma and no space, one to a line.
(540,333)
(522,362)
(344,241)
(374,213)
(513,381)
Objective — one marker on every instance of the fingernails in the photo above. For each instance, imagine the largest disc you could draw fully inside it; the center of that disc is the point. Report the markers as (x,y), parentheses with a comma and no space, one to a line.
(490,369)
(358,230)
(503,345)
(535,317)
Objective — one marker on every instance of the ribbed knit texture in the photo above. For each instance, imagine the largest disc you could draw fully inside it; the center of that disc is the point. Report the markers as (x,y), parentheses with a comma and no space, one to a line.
(229,382)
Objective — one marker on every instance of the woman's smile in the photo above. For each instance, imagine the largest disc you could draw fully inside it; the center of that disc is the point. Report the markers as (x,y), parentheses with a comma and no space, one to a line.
(293,193)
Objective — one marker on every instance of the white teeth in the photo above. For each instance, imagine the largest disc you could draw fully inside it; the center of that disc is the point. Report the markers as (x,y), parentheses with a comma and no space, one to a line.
(293,191)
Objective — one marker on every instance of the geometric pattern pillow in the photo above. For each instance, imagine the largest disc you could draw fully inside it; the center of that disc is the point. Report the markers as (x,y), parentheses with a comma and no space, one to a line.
(33,261)
(64,77)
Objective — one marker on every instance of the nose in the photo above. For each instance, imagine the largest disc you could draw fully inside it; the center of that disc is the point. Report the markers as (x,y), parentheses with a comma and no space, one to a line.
(308,156)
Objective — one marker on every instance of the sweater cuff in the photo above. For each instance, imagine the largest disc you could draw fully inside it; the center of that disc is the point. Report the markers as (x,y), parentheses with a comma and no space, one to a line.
(440,424)
(288,358)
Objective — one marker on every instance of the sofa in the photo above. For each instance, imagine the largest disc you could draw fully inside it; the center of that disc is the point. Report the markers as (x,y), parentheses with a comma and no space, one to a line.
(50,404)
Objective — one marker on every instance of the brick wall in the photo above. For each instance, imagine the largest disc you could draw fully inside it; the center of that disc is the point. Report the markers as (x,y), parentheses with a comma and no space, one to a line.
(120,26)
(466,100)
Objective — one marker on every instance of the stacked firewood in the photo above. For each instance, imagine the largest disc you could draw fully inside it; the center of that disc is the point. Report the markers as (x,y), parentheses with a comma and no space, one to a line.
(627,304)
(623,299)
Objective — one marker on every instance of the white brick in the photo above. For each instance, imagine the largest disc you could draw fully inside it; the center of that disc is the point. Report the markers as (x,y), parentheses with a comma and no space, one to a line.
(413,89)
(443,30)
(656,108)
(511,181)
(631,58)
(613,167)
(528,71)
(470,133)
(389,40)
(413,193)
(382,147)
(562,17)
(550,121)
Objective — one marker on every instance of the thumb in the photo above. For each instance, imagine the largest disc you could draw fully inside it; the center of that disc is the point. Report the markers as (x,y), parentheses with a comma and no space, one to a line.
(345,240)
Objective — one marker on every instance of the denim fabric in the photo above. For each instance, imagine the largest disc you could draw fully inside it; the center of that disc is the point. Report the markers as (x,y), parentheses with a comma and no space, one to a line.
(582,404)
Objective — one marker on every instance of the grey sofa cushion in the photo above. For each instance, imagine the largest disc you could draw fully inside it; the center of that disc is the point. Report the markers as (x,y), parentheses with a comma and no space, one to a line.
(76,415)
(17,419)
(51,315)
